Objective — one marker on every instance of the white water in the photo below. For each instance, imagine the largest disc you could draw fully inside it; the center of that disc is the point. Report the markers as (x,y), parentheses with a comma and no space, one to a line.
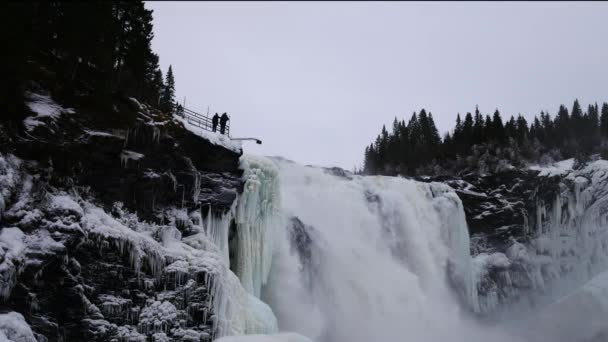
(379,252)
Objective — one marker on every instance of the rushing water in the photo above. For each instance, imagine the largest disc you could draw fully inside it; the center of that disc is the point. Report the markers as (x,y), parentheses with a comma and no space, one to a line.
(372,259)
(338,257)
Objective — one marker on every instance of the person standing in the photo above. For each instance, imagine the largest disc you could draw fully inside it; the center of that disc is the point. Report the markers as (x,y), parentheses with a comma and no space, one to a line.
(215,120)
(223,121)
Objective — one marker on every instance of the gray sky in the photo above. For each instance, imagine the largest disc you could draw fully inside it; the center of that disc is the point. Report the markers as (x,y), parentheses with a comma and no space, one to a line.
(316,81)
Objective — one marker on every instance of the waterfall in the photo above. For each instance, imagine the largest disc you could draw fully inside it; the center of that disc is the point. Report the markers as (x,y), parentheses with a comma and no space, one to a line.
(330,256)
(380,254)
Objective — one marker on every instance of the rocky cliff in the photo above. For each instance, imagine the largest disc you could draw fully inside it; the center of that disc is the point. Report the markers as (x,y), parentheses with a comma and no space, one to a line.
(103,214)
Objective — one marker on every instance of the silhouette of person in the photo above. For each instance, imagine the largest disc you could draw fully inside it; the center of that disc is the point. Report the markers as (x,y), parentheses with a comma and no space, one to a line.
(215,119)
(223,120)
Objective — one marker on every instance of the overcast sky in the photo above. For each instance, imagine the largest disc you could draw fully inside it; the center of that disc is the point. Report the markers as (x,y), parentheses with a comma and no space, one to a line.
(316,81)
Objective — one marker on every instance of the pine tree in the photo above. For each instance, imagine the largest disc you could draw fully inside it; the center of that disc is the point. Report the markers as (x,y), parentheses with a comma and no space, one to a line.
(478,134)
(521,130)
(168,96)
(416,147)
(604,120)
(467,131)
(592,126)
(498,128)
(434,138)
(576,120)
(562,125)
(511,128)
(99,48)
(157,87)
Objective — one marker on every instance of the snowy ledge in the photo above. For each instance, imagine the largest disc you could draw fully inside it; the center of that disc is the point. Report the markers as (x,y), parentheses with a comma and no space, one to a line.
(566,167)
(556,169)
(212,137)
(44,107)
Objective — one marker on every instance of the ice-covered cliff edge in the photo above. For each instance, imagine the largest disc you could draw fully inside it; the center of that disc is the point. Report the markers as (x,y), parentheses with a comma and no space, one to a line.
(120,278)
(537,235)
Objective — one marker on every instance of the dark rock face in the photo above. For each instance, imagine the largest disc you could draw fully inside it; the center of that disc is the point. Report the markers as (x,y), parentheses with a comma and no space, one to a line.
(339,172)
(501,206)
(150,164)
(75,282)
(301,239)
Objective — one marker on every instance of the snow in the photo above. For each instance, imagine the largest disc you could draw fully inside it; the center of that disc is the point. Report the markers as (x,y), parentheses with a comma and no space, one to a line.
(151,174)
(467,188)
(283,337)
(13,327)
(129,334)
(64,203)
(213,137)
(99,133)
(12,247)
(137,103)
(10,177)
(44,107)
(157,317)
(127,155)
(98,225)
(555,169)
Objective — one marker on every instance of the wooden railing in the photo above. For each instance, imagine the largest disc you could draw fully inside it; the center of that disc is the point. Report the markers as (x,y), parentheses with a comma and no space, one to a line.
(200,120)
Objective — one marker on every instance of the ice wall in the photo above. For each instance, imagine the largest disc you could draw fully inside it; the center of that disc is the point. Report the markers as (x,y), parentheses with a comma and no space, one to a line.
(256,215)
(257,218)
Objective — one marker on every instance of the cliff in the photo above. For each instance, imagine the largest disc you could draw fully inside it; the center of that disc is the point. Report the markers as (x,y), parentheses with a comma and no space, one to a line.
(104,211)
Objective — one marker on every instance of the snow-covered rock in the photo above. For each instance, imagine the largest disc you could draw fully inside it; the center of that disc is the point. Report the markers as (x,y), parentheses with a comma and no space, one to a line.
(13,327)
(45,108)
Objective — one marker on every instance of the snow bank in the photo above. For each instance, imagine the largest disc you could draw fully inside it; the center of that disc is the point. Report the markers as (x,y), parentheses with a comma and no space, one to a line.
(213,137)
(14,328)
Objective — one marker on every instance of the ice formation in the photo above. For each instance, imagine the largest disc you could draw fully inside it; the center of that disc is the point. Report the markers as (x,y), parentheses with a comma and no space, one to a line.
(568,244)
(127,155)
(257,216)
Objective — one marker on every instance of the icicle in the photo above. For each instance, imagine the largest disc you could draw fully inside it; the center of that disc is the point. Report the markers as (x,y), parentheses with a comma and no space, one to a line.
(257,217)
(196,188)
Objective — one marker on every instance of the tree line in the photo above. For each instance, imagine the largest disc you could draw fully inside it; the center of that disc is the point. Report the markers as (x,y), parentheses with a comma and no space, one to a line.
(93,48)
(486,143)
